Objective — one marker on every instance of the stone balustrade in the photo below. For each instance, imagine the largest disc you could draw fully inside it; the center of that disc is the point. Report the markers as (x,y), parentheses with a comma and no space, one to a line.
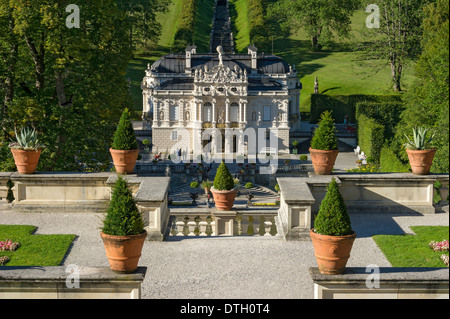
(300,197)
(89,193)
(205,222)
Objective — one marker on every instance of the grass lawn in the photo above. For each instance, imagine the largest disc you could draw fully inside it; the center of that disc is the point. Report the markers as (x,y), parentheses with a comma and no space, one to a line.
(413,250)
(342,69)
(34,250)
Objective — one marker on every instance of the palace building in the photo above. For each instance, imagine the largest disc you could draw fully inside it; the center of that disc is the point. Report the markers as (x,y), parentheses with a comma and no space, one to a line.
(190,98)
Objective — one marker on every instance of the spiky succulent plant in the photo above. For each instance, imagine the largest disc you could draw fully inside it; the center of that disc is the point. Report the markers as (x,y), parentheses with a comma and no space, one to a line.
(26,139)
(421,140)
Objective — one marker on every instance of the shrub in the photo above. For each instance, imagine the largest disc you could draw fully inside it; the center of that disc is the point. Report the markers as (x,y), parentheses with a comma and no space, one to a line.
(343,105)
(370,137)
(390,163)
(303,158)
(223,181)
(122,217)
(184,35)
(124,137)
(248,185)
(332,218)
(194,184)
(325,135)
(206,184)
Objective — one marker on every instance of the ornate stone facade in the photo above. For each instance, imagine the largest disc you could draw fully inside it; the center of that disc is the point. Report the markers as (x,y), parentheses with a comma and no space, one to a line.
(190,99)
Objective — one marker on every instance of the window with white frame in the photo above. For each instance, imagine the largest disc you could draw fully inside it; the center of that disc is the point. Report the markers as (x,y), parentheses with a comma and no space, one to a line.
(234,112)
(174,136)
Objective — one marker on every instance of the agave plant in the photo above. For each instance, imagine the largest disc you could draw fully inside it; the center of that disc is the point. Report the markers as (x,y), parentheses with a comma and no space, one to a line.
(421,139)
(27,139)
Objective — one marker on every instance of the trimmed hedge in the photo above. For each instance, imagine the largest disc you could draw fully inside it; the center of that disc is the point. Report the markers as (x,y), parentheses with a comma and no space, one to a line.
(185,28)
(390,163)
(257,23)
(370,137)
(385,113)
(343,105)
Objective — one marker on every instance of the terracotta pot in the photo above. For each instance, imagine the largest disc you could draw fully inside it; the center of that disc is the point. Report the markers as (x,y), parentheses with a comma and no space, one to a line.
(332,252)
(323,161)
(124,161)
(421,161)
(123,252)
(224,200)
(26,160)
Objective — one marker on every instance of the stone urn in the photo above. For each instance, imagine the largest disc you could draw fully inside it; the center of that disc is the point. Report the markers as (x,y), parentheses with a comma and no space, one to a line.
(124,160)
(323,160)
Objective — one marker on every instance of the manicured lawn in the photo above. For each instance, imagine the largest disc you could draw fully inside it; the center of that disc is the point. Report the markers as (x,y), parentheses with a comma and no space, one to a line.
(413,250)
(240,26)
(34,250)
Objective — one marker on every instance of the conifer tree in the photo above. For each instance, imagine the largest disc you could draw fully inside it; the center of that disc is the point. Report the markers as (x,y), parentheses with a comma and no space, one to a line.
(333,218)
(125,138)
(123,217)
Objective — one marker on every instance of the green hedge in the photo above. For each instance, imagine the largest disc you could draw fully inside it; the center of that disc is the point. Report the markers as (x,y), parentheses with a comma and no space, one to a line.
(185,28)
(343,105)
(257,24)
(390,163)
(385,113)
(371,138)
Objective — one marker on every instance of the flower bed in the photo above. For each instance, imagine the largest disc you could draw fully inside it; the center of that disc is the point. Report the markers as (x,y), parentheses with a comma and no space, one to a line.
(3,260)
(8,245)
(441,246)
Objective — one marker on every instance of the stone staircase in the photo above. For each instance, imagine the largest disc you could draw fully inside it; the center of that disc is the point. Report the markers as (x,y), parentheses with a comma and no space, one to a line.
(221,32)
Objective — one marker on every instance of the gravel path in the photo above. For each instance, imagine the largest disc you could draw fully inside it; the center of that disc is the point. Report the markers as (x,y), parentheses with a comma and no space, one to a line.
(225,267)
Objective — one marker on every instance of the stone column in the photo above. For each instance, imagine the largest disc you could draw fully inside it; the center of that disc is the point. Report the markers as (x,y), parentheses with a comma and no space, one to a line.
(214,113)
(245,112)
(227,113)
(155,112)
(200,111)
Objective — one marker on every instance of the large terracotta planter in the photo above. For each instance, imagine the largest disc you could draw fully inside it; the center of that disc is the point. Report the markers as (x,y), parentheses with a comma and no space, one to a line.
(332,252)
(323,161)
(421,161)
(224,200)
(26,160)
(124,161)
(123,252)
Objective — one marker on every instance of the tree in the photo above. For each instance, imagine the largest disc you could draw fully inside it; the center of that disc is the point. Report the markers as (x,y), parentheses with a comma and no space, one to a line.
(319,18)
(144,28)
(398,38)
(427,104)
(67,83)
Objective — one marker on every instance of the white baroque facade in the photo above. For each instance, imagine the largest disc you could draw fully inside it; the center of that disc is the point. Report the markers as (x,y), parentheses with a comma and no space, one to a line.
(190,99)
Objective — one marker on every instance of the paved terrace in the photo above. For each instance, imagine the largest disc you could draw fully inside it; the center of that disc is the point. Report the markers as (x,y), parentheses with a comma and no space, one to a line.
(223,267)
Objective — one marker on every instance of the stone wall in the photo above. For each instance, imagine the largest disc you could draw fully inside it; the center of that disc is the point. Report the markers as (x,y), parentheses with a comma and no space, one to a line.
(398,192)
(66,282)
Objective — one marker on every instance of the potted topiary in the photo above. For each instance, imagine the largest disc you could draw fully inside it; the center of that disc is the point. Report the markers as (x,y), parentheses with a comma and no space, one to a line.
(123,232)
(420,152)
(294,147)
(324,150)
(124,150)
(206,185)
(223,189)
(26,150)
(332,235)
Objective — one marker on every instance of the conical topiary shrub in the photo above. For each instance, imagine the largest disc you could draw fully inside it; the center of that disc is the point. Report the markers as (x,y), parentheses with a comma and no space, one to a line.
(124,150)
(123,217)
(223,181)
(333,218)
(324,149)
(124,137)
(223,188)
(332,235)
(123,230)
